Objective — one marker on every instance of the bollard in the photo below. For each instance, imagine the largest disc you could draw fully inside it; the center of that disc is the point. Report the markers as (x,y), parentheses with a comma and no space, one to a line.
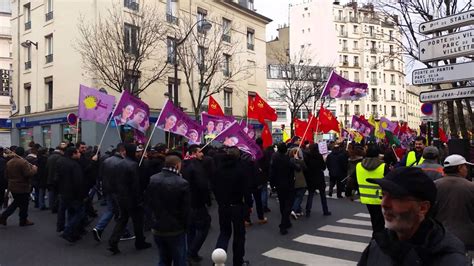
(219,256)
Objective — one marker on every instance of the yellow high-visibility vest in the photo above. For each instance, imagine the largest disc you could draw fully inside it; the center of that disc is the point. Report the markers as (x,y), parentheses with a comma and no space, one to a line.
(369,193)
(411,159)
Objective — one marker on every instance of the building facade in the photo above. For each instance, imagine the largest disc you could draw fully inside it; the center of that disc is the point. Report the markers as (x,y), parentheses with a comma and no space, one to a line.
(6,71)
(362,45)
(48,68)
(414,115)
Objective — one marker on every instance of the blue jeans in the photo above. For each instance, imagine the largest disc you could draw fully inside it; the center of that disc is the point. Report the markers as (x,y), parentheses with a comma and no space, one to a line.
(42,194)
(172,250)
(107,215)
(198,230)
(299,194)
(75,214)
(265,196)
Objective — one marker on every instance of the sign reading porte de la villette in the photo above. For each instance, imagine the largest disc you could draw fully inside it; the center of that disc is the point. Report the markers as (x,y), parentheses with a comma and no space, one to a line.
(448,46)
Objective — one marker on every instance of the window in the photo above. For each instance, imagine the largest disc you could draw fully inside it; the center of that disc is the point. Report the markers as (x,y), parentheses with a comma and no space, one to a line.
(172,11)
(371,31)
(27,16)
(356,61)
(356,45)
(130,38)
(226,65)
(27,57)
(345,74)
(391,49)
(390,35)
(226,27)
(356,109)
(250,39)
(345,60)
(69,132)
(385,110)
(131,80)
(48,82)
(250,5)
(392,95)
(49,10)
(26,136)
(281,113)
(356,29)
(356,77)
(170,45)
(344,45)
(201,17)
(273,71)
(49,48)
(46,130)
(228,98)
(392,79)
(392,64)
(173,92)
(394,111)
(131,4)
(27,87)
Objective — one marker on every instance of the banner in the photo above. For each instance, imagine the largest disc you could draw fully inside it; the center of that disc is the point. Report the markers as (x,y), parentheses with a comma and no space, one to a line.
(249,129)
(362,126)
(388,125)
(213,125)
(338,87)
(132,112)
(94,105)
(234,136)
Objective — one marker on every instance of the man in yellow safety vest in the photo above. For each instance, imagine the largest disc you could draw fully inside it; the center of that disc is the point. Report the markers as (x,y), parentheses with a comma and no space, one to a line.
(415,157)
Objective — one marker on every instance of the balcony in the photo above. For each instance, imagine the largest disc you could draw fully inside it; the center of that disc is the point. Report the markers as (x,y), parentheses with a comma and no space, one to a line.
(372,35)
(393,114)
(49,58)
(373,82)
(393,83)
(345,49)
(226,38)
(342,33)
(373,50)
(48,106)
(27,109)
(28,25)
(228,110)
(371,21)
(345,63)
(374,98)
(354,19)
(250,46)
(49,16)
(131,4)
(340,19)
(373,66)
(356,64)
(27,65)
(171,19)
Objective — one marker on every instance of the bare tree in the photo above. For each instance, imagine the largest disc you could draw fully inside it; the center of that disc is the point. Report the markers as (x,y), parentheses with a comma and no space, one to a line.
(407,16)
(211,61)
(302,82)
(126,51)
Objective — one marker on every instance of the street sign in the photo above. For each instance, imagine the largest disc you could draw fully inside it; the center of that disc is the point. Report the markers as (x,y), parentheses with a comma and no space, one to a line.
(427,108)
(444,95)
(448,46)
(443,74)
(454,21)
(427,119)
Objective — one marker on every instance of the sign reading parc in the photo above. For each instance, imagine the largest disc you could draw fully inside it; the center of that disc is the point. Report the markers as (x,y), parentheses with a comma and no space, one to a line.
(448,46)
(445,95)
(454,21)
(443,74)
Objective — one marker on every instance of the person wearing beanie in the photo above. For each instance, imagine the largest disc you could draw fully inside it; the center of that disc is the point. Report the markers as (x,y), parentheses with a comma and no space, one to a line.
(430,165)
(411,236)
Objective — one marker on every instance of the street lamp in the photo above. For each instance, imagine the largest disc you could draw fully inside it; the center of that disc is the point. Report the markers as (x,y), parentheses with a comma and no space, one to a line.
(204,27)
(28,43)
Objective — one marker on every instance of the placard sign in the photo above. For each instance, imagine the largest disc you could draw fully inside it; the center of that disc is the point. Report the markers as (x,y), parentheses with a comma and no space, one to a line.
(448,46)
(443,74)
(444,95)
(323,147)
(454,21)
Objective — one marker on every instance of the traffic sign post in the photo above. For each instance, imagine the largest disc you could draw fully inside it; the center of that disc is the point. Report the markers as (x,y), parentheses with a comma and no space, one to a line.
(446,23)
(447,46)
(443,74)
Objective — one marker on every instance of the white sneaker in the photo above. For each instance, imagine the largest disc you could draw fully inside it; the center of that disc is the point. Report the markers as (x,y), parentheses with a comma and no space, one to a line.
(293,214)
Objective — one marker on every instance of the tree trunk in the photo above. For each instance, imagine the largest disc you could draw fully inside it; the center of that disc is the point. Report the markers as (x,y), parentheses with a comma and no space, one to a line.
(451,120)
(462,122)
(471,114)
(292,131)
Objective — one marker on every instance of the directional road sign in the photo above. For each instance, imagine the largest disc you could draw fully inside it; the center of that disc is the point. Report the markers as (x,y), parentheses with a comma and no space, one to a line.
(447,46)
(443,74)
(454,21)
(445,95)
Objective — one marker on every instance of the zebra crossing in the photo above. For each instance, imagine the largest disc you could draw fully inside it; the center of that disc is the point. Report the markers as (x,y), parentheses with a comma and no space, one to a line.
(348,235)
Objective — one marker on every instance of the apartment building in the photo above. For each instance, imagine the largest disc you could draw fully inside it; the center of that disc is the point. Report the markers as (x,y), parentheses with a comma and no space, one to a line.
(414,105)
(362,45)
(48,69)
(6,69)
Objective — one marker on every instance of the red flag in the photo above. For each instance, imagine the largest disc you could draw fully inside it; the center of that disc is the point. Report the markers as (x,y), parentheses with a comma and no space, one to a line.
(328,121)
(301,127)
(214,108)
(266,136)
(314,121)
(260,110)
(442,135)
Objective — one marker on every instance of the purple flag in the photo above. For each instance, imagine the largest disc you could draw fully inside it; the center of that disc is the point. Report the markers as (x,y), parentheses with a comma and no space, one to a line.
(214,124)
(173,120)
(362,126)
(338,87)
(234,136)
(249,129)
(95,105)
(132,112)
(387,124)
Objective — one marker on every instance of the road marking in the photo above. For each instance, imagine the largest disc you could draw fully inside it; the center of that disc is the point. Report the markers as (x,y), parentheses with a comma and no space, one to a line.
(332,243)
(346,230)
(356,222)
(363,215)
(305,258)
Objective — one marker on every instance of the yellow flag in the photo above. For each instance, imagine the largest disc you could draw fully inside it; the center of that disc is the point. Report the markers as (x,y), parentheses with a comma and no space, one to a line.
(285,136)
(372,120)
(379,131)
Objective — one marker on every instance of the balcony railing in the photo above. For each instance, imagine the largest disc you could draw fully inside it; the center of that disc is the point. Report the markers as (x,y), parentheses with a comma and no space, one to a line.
(49,58)
(49,16)
(171,19)
(345,49)
(374,98)
(228,110)
(131,4)
(27,65)
(250,46)
(372,35)
(28,25)
(373,66)
(373,50)
(373,82)
(345,63)
(343,33)
(356,64)
(340,19)
(48,106)
(27,109)
(226,38)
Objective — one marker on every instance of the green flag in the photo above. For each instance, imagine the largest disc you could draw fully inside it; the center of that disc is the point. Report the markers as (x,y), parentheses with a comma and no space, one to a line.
(392,139)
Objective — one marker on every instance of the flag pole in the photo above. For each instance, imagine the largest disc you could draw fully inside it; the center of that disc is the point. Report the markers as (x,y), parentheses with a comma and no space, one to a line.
(107,126)
(148,143)
(77,129)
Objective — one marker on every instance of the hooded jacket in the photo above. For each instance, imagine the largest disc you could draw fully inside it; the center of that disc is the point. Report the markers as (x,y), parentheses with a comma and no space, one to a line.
(229,183)
(431,245)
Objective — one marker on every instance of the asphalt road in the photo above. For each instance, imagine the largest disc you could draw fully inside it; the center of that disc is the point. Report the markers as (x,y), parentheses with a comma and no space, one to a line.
(311,241)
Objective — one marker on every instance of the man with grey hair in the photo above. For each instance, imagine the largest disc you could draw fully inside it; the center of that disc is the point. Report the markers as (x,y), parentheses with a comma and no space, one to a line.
(431,165)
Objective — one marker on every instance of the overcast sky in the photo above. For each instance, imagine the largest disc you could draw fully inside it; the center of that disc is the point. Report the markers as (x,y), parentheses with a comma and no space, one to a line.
(277,10)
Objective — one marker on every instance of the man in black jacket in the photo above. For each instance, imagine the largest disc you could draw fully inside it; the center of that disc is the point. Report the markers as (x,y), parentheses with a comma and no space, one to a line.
(70,180)
(337,162)
(411,236)
(51,180)
(198,178)
(3,180)
(127,195)
(229,185)
(168,196)
(283,178)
